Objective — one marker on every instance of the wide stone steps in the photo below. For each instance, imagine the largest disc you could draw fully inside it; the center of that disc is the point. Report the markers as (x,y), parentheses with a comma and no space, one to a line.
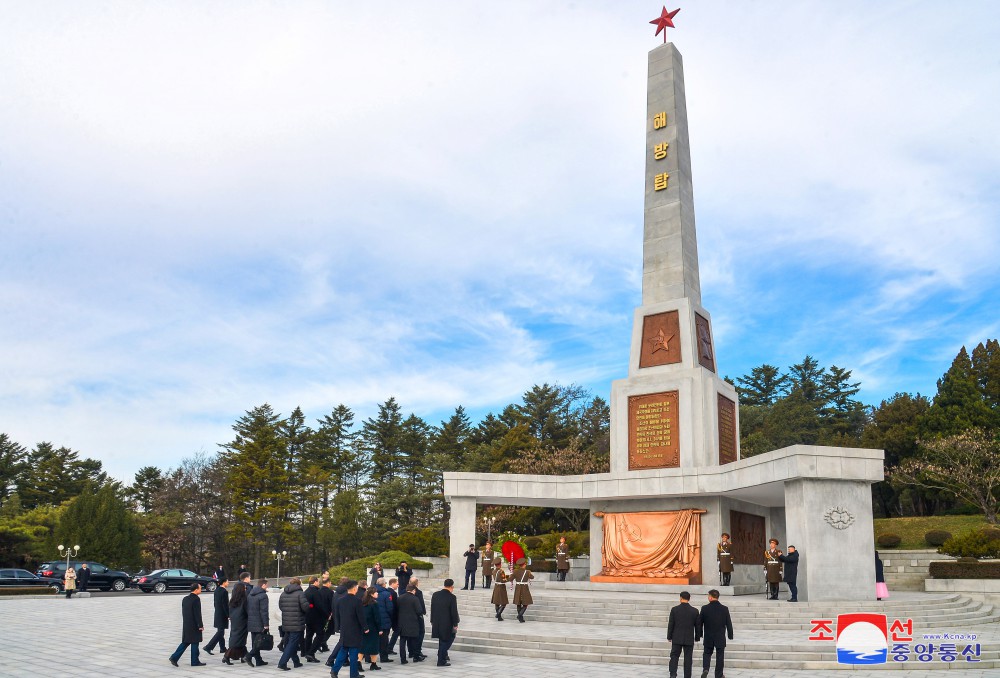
(818,656)
(945,611)
(771,635)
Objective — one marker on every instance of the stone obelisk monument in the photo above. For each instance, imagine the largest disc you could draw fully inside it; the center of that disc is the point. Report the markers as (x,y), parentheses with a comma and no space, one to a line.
(673,410)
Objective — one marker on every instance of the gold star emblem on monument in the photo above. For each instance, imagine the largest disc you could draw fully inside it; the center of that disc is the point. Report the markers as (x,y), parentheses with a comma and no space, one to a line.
(661,342)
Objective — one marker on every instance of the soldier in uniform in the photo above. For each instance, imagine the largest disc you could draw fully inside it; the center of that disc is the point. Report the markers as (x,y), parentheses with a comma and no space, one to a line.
(522,594)
(772,565)
(724,554)
(500,579)
(487,564)
(562,559)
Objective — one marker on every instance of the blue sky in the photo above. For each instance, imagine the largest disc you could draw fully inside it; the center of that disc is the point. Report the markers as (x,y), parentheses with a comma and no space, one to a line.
(203,208)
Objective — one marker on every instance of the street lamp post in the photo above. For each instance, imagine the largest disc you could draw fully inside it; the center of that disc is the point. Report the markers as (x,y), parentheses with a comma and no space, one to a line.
(488,521)
(279,557)
(68,553)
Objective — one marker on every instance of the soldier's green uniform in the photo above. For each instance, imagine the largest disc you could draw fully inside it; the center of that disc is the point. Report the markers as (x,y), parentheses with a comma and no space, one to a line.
(522,594)
(773,567)
(487,564)
(500,579)
(562,560)
(724,554)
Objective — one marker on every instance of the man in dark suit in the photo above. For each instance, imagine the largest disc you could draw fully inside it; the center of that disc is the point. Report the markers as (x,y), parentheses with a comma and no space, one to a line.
(682,633)
(351,623)
(423,612)
(221,622)
(714,625)
(444,620)
(791,561)
(403,573)
(314,618)
(191,633)
(411,611)
(83,578)
(471,563)
(324,605)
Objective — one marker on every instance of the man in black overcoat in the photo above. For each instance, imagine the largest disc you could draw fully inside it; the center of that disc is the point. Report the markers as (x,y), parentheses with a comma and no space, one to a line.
(351,623)
(193,626)
(715,625)
(423,612)
(83,578)
(471,563)
(221,622)
(324,609)
(444,619)
(403,574)
(791,561)
(411,613)
(314,618)
(682,633)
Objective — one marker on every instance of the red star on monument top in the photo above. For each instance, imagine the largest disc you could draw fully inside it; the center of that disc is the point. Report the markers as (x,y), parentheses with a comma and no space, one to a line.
(664,20)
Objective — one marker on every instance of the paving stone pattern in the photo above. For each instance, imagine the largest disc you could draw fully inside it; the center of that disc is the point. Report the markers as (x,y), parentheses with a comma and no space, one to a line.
(132,635)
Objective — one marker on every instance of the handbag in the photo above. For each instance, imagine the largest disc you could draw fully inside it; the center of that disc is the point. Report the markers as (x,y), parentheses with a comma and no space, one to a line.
(266,642)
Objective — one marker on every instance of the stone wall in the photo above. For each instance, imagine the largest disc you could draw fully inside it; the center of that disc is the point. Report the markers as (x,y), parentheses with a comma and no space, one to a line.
(906,570)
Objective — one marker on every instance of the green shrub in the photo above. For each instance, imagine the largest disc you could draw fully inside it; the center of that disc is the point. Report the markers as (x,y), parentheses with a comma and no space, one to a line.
(888,540)
(966,560)
(429,541)
(953,569)
(542,565)
(358,568)
(991,533)
(937,537)
(975,544)
(533,542)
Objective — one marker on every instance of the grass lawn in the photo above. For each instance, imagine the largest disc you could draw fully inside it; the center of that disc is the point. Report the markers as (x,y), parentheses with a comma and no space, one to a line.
(912,530)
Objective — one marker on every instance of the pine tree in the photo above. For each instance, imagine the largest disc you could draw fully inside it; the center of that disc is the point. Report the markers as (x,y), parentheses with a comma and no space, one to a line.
(56,475)
(13,464)
(959,404)
(257,481)
(148,481)
(808,378)
(763,386)
(380,437)
(986,369)
(104,527)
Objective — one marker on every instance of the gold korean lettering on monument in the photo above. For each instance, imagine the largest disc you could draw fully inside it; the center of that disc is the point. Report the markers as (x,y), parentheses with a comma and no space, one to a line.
(653,441)
(660,181)
(660,120)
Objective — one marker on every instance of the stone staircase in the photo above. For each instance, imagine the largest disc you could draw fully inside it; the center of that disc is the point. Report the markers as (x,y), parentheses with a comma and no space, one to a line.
(907,570)
(631,629)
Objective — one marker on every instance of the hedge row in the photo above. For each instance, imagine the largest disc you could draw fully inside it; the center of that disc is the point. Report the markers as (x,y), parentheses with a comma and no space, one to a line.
(28,591)
(950,569)
(358,568)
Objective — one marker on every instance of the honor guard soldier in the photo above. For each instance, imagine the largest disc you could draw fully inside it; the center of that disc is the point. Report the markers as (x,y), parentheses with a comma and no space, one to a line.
(724,554)
(500,579)
(487,564)
(562,559)
(522,593)
(772,565)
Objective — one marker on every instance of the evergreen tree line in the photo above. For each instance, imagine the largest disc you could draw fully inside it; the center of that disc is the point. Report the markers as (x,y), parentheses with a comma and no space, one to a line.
(942,454)
(330,490)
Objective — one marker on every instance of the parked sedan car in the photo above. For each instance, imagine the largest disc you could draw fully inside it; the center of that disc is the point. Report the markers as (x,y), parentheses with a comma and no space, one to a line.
(18,578)
(101,577)
(162,581)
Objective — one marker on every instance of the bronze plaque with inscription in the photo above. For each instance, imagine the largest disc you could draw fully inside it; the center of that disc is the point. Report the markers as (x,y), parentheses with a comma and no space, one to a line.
(653,440)
(749,540)
(661,340)
(727,430)
(706,353)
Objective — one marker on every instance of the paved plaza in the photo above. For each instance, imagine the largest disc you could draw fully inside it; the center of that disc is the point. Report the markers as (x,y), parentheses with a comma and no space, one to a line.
(132,635)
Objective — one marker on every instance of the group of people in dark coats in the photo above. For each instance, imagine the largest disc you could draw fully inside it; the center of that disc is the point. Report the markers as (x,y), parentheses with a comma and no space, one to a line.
(686,626)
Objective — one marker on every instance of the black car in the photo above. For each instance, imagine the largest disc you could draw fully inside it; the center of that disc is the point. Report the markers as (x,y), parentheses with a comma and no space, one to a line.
(162,581)
(18,578)
(101,577)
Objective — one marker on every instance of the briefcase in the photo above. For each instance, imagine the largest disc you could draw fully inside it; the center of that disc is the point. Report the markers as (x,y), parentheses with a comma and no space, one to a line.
(265,642)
